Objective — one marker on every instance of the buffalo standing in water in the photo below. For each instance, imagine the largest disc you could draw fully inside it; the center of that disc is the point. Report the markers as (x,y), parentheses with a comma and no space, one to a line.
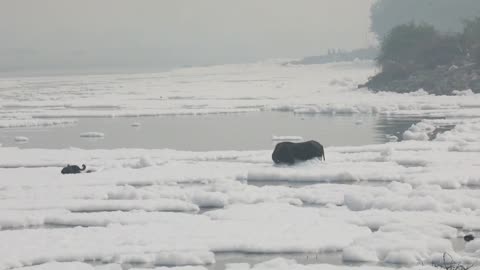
(70,169)
(288,152)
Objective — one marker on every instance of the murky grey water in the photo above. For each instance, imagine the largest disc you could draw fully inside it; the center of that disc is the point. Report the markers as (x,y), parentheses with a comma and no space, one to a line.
(224,258)
(249,131)
(301,184)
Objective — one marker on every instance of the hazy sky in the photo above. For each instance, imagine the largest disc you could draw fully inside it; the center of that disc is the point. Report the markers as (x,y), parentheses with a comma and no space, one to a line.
(90,33)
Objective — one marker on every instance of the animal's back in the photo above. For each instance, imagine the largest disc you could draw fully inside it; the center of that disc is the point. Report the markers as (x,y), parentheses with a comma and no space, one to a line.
(72,169)
(288,152)
(310,149)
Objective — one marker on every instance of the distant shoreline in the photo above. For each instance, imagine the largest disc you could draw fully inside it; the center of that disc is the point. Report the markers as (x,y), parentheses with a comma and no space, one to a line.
(81,72)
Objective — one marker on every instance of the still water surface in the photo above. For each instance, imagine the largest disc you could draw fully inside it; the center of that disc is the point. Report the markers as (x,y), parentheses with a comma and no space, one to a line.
(249,131)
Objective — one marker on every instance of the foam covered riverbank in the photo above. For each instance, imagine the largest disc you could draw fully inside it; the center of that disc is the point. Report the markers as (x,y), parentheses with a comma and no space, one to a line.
(403,203)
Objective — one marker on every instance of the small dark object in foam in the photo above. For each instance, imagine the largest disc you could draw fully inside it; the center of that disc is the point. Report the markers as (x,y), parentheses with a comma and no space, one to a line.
(71,169)
(288,152)
(468,238)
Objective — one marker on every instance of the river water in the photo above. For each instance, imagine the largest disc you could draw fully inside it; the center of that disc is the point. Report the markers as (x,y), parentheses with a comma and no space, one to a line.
(246,131)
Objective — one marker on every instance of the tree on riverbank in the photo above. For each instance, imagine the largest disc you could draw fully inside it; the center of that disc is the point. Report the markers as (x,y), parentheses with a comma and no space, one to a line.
(417,56)
(471,39)
(410,47)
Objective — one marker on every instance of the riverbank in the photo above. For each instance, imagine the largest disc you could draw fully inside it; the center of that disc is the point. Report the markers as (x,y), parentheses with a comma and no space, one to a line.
(443,80)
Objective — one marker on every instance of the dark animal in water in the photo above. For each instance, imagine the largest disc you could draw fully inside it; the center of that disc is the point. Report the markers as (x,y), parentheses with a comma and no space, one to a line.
(70,169)
(468,238)
(288,152)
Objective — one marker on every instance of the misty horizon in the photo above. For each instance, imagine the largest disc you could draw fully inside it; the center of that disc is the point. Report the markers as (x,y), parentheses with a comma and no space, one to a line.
(54,35)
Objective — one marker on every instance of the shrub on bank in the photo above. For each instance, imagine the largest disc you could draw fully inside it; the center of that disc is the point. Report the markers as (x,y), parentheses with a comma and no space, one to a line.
(410,47)
(475,54)
(402,45)
(471,39)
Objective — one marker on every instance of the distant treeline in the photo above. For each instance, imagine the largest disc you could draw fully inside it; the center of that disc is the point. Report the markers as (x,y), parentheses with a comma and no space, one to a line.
(444,15)
(442,21)
(414,56)
(339,56)
(410,47)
